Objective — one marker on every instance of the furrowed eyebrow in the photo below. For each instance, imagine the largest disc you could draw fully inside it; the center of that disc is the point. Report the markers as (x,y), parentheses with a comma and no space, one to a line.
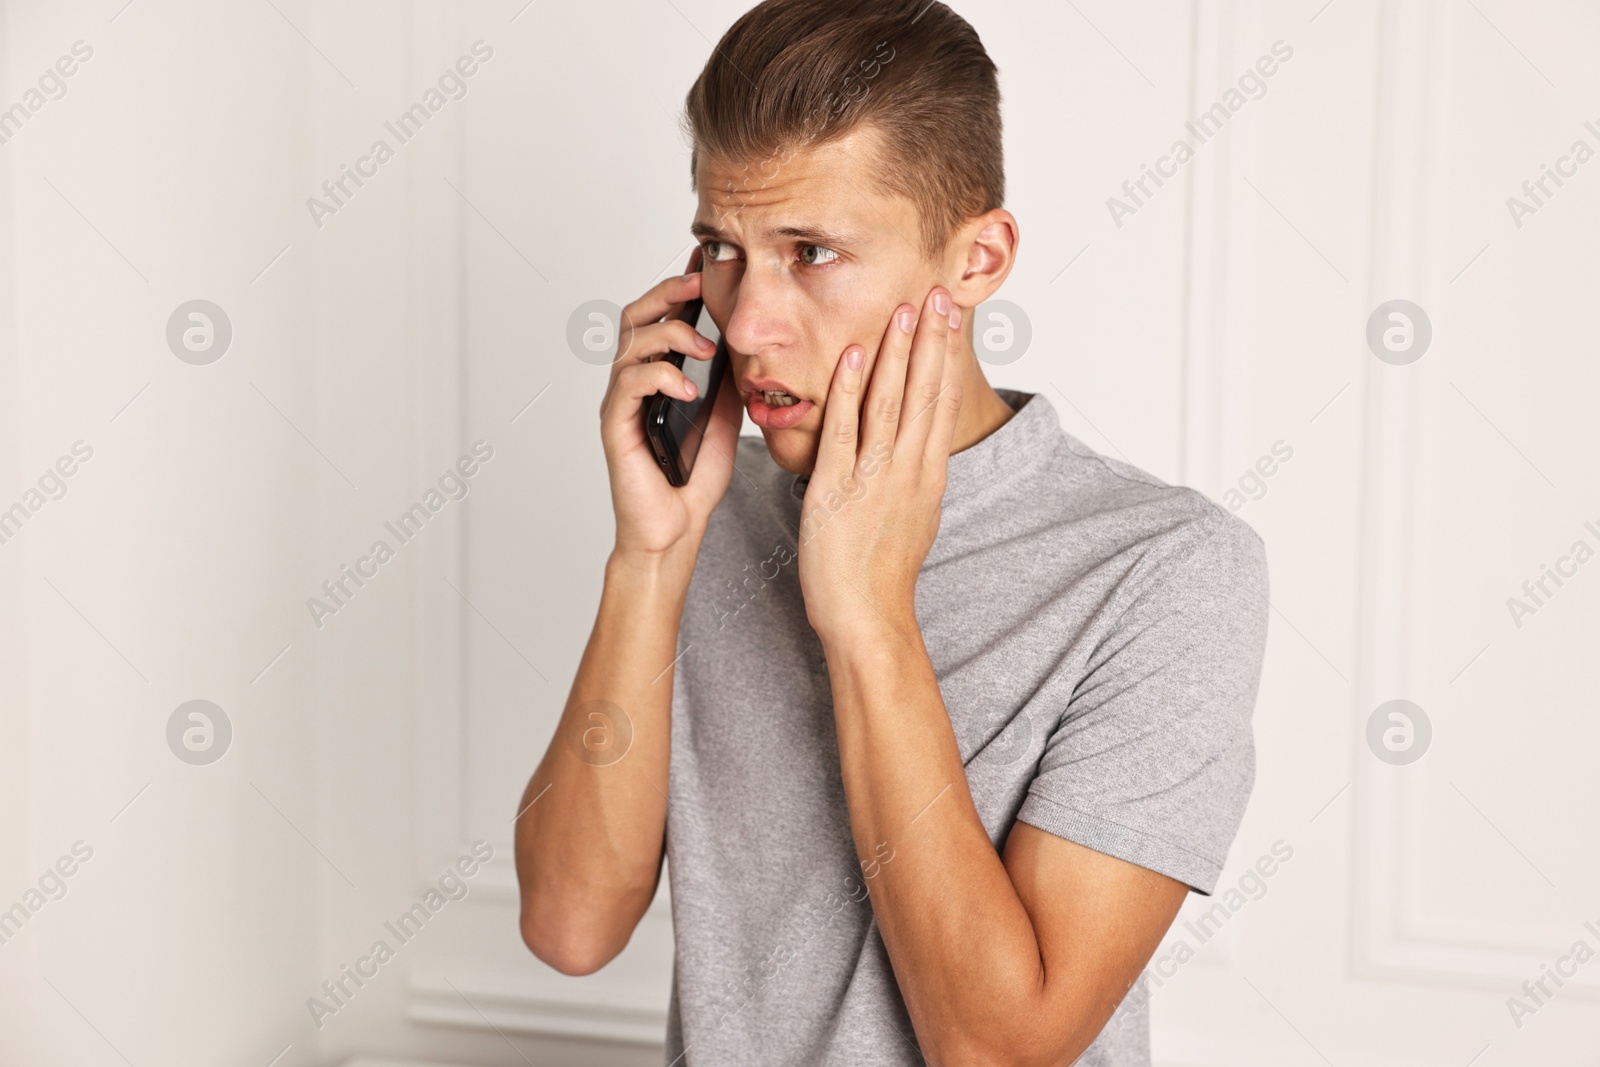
(808,234)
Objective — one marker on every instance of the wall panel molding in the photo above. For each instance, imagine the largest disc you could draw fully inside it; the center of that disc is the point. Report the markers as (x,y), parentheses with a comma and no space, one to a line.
(1392,935)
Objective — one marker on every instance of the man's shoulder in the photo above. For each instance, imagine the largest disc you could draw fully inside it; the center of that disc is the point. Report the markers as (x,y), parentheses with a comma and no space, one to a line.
(1174,528)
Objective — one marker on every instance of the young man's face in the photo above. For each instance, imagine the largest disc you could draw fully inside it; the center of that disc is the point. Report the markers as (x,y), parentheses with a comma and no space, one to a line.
(802,258)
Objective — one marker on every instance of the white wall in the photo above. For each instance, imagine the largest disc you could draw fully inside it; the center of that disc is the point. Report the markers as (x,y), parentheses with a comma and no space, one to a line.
(1227,315)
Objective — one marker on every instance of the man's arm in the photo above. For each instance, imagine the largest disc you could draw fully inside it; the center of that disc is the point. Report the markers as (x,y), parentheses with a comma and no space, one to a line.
(589,839)
(1020,961)
(591,824)
(1012,962)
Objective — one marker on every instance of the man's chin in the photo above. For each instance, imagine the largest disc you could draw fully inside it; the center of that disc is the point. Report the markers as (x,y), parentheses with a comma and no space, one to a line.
(793,450)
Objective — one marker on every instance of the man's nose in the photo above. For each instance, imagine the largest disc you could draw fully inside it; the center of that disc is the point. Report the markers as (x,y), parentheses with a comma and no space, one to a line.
(762,313)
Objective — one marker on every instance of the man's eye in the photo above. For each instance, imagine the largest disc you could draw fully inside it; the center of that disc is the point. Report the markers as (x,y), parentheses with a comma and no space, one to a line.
(710,250)
(821,252)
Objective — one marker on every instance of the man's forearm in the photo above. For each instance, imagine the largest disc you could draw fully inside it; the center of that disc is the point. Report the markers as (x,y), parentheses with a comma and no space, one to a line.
(962,945)
(589,836)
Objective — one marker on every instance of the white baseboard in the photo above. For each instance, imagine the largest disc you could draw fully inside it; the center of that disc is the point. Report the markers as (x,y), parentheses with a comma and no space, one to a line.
(597,1013)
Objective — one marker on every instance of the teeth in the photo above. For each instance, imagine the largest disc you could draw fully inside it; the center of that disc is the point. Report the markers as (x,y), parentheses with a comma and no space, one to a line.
(777,399)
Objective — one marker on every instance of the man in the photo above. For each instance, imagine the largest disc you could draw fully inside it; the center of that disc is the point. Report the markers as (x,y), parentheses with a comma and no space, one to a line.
(937,713)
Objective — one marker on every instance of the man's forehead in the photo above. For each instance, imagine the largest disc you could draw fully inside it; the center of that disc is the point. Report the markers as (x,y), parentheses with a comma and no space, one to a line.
(773,204)
(821,195)
(832,231)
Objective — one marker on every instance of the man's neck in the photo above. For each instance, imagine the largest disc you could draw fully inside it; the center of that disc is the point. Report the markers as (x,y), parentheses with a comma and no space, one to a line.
(983,411)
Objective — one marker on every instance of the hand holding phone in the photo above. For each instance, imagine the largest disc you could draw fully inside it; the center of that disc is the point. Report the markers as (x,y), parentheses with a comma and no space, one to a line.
(675,427)
(653,516)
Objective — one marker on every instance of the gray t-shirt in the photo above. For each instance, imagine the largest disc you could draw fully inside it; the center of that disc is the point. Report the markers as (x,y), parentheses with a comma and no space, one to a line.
(1097,636)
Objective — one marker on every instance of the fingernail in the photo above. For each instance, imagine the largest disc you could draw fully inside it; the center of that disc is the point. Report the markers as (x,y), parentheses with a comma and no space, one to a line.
(852,358)
(955,317)
(706,344)
(688,386)
(941,303)
(906,320)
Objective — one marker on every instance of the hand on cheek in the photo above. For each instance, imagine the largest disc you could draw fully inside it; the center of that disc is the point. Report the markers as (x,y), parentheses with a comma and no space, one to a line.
(871,509)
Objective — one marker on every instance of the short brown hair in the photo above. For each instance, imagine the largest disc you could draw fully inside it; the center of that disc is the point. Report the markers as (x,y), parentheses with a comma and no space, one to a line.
(795,74)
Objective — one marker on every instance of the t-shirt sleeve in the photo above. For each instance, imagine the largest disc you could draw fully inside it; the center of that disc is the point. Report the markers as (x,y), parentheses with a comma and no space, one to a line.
(1154,759)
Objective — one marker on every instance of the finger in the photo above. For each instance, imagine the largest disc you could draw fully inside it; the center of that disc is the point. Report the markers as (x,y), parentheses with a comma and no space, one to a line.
(841,418)
(721,441)
(948,407)
(693,268)
(653,341)
(925,374)
(881,421)
(664,298)
(671,335)
(638,382)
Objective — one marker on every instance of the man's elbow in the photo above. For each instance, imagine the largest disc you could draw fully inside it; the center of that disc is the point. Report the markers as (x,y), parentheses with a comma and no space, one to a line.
(578,929)
(987,1055)
(572,937)
(1014,1046)
(561,950)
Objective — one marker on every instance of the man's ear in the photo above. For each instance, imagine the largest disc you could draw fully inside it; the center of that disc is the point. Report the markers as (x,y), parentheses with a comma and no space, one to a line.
(980,256)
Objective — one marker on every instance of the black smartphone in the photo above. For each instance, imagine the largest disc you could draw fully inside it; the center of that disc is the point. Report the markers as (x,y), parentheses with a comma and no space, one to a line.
(675,427)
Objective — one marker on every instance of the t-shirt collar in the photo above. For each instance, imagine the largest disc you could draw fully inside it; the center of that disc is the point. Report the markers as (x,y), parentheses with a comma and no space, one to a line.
(994,456)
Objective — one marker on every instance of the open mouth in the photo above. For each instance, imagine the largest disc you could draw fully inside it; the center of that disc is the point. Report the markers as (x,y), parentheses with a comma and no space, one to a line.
(775,409)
